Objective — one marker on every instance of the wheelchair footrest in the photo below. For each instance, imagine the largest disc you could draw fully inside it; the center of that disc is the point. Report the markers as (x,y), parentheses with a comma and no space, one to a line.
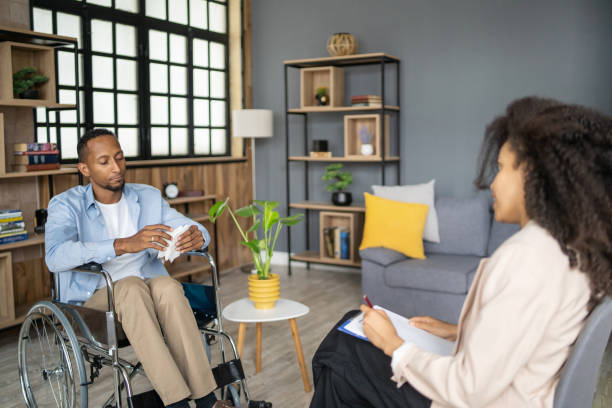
(259,404)
(148,399)
(228,373)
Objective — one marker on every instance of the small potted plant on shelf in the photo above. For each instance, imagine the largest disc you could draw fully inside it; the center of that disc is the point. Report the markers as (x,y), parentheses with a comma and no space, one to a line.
(24,82)
(264,288)
(340,180)
(367,149)
(321,96)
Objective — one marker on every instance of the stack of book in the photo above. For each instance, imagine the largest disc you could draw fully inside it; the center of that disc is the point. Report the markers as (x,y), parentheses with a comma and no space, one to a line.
(12,227)
(366,100)
(35,157)
(337,241)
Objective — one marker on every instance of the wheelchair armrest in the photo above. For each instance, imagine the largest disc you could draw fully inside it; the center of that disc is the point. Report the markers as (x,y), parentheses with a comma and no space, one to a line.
(89,267)
(198,252)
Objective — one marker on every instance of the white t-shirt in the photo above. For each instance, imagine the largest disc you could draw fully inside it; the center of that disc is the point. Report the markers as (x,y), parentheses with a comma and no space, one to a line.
(119,224)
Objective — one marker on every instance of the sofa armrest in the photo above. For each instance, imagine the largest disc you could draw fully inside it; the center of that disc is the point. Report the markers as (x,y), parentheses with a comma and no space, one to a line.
(382,256)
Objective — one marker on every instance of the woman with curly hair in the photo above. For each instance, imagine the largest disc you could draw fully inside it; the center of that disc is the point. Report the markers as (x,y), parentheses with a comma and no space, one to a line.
(552,168)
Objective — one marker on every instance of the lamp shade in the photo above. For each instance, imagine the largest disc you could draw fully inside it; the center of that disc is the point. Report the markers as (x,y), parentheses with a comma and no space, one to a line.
(252,123)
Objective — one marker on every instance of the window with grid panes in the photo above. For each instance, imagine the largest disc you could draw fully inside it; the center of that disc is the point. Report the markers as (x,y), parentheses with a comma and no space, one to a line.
(179,108)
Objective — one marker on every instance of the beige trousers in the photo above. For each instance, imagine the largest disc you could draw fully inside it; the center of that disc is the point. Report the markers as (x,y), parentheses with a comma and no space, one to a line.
(150,310)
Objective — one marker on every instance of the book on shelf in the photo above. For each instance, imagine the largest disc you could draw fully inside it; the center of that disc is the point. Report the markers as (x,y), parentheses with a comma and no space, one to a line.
(366,100)
(10,213)
(11,233)
(40,167)
(6,220)
(329,242)
(344,244)
(35,157)
(14,238)
(12,226)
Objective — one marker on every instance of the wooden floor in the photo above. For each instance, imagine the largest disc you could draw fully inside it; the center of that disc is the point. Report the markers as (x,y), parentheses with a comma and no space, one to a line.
(329,294)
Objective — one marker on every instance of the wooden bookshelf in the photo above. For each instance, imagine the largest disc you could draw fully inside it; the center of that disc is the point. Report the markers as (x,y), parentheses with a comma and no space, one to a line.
(364,159)
(33,239)
(323,109)
(316,205)
(60,171)
(35,103)
(198,217)
(374,57)
(314,257)
(185,200)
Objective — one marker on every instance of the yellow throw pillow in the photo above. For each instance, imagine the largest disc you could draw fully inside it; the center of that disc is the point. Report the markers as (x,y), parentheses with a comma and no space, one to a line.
(394,225)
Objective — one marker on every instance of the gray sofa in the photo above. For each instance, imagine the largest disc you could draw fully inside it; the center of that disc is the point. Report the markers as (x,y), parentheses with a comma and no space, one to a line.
(438,285)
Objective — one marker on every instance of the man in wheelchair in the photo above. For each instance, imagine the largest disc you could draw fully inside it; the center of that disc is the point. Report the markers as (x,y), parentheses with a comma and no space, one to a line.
(123,226)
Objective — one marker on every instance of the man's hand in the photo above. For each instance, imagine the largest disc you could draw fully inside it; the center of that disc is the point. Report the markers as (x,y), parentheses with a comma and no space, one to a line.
(190,240)
(151,236)
(378,328)
(436,327)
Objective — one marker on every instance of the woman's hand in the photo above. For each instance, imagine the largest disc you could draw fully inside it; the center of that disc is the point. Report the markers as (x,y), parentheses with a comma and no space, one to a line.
(436,327)
(378,328)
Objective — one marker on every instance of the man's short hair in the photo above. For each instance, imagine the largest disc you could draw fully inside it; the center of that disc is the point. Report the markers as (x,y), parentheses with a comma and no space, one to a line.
(90,134)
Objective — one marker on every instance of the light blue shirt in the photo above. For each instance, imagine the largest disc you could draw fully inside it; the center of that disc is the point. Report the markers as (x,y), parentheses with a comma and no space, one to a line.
(75,234)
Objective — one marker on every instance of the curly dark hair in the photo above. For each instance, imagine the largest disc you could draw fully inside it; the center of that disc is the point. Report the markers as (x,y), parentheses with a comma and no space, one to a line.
(567,153)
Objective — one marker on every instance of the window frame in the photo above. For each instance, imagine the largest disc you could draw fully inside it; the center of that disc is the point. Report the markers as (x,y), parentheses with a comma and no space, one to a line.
(142,24)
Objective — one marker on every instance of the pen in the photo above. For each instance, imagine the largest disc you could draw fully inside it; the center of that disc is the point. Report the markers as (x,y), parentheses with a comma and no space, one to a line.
(365,297)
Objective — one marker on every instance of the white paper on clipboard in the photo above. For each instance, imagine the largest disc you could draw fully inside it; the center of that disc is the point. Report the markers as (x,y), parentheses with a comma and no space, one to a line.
(405,330)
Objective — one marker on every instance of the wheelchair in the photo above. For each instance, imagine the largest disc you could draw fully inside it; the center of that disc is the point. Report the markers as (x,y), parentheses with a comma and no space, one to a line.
(57,340)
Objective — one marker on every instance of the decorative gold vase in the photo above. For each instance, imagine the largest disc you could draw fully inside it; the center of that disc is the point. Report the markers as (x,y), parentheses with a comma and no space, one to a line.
(264,293)
(341,44)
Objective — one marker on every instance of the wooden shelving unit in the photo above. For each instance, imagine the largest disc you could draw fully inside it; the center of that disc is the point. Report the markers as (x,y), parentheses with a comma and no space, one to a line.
(60,171)
(314,205)
(33,239)
(329,72)
(195,199)
(363,159)
(315,257)
(20,48)
(323,109)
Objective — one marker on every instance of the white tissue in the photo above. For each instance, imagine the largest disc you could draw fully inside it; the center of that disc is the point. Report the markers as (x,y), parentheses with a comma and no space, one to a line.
(170,253)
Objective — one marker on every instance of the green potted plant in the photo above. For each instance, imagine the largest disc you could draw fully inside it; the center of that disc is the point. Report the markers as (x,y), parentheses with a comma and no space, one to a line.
(24,82)
(321,96)
(340,180)
(264,288)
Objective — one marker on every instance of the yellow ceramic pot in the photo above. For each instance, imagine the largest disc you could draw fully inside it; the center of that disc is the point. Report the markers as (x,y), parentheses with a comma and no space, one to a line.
(264,293)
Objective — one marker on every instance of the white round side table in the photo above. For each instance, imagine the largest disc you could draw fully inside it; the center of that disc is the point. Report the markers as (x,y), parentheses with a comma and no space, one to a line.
(243,311)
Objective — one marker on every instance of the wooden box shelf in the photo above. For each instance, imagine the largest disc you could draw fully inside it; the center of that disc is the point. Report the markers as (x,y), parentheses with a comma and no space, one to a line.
(16,56)
(7,306)
(353,124)
(331,78)
(351,222)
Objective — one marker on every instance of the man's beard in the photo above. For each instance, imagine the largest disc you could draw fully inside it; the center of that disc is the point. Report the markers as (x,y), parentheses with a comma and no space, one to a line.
(114,188)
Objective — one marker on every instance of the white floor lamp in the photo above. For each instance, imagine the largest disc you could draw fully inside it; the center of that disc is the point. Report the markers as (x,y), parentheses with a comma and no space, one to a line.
(253,123)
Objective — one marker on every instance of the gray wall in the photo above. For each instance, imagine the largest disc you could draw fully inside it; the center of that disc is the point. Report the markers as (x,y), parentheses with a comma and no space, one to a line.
(462,63)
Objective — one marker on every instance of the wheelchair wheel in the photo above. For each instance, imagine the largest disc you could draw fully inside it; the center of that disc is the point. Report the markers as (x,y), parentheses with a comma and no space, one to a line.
(51,368)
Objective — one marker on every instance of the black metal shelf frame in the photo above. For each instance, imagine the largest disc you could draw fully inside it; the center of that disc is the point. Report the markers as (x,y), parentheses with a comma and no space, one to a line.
(382,61)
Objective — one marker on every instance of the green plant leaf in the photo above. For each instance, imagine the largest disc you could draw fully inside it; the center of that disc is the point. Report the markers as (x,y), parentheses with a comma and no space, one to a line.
(248,211)
(217,209)
(292,220)
(254,227)
(254,245)
(271,219)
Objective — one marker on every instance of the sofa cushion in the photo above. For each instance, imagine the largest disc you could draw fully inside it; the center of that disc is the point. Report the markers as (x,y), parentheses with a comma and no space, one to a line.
(381,256)
(464,226)
(416,193)
(394,225)
(499,233)
(439,273)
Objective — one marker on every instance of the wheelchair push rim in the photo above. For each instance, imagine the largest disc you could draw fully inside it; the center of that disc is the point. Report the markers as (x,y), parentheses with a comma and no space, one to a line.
(51,367)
